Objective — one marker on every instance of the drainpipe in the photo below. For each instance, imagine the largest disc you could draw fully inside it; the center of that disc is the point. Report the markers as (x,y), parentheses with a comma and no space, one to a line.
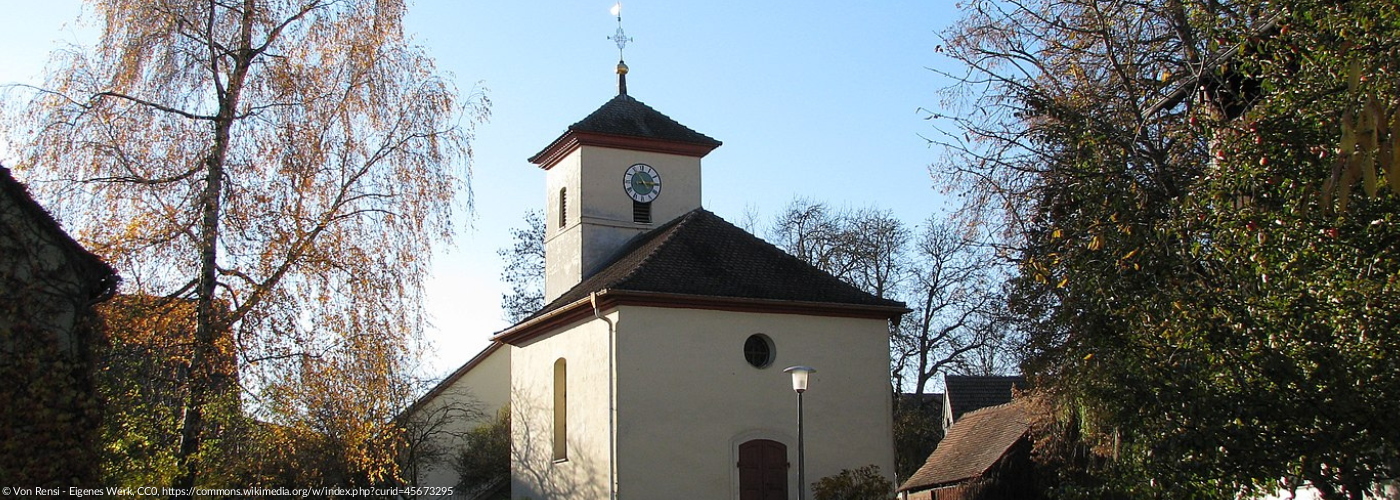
(612,396)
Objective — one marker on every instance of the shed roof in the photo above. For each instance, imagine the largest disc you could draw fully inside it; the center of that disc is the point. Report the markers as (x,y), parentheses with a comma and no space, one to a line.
(972,446)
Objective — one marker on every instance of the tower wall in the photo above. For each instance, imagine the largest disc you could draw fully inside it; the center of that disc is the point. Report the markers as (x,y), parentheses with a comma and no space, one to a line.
(598,212)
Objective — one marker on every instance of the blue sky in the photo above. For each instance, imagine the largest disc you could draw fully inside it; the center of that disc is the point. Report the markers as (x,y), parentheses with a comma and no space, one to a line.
(816,99)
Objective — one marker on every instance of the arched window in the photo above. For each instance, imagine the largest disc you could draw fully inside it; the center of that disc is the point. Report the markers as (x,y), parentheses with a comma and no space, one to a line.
(563,207)
(561,410)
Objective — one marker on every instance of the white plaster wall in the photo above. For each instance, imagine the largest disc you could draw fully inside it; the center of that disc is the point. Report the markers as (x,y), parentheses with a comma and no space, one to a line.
(687,398)
(562,244)
(605,199)
(534,472)
(599,210)
(487,385)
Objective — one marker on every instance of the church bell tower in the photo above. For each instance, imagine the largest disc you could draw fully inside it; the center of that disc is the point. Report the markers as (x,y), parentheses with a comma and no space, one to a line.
(619,172)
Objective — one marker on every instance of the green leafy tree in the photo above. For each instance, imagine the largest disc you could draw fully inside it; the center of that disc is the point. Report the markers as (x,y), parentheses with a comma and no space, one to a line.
(1202,284)
(484,460)
(144,383)
(295,160)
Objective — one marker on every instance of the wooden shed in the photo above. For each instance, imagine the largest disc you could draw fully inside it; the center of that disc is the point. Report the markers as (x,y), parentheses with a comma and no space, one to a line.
(984,456)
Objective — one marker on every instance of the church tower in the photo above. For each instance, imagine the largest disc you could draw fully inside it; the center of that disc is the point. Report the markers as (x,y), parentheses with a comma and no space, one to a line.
(623,170)
(655,367)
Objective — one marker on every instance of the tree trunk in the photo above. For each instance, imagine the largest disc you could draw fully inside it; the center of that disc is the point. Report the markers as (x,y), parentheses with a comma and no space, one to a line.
(209,322)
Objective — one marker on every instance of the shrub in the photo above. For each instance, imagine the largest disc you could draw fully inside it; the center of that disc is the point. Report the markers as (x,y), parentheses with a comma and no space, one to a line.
(865,483)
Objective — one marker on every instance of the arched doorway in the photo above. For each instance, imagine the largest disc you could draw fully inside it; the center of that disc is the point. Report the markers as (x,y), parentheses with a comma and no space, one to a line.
(763,470)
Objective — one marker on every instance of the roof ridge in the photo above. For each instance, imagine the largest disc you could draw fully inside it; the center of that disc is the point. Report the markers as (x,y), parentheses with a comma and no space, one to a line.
(1001,406)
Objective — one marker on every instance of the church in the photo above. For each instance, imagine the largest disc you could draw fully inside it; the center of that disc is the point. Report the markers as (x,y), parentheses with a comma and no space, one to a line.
(656,369)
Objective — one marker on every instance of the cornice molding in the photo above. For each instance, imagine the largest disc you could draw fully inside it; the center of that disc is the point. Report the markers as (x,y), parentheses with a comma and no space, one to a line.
(573,140)
(611,299)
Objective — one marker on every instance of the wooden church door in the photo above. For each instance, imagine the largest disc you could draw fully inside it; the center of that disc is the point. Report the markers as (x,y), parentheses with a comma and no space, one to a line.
(763,469)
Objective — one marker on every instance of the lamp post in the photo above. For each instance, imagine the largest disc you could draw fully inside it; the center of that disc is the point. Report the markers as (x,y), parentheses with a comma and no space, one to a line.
(799,385)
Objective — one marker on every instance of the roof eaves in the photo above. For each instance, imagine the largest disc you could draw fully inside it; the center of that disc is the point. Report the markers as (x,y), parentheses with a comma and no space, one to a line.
(749,304)
(538,325)
(452,378)
(573,139)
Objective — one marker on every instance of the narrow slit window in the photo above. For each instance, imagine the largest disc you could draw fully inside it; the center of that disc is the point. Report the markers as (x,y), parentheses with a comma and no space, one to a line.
(563,207)
(561,410)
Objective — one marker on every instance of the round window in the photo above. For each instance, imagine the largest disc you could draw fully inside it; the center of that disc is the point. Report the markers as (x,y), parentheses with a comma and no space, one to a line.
(758,350)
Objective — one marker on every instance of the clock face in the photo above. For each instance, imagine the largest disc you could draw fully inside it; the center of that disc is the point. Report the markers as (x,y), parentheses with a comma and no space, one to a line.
(641,182)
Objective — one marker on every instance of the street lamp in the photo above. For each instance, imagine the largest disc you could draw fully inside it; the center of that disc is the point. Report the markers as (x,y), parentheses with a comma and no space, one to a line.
(799,384)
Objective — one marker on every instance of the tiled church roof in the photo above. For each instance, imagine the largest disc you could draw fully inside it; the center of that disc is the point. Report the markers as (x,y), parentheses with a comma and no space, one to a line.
(701,254)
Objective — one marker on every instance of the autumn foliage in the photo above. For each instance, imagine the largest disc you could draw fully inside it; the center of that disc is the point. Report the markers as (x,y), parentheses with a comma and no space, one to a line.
(282,170)
(1196,196)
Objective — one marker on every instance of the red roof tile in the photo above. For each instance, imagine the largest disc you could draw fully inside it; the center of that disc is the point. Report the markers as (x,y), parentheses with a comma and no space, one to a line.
(973,392)
(972,445)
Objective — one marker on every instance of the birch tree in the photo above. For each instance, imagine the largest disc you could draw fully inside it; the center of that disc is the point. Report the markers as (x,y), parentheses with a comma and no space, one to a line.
(286,165)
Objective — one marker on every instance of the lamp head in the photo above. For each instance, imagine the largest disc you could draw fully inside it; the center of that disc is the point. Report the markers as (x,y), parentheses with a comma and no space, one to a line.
(799,377)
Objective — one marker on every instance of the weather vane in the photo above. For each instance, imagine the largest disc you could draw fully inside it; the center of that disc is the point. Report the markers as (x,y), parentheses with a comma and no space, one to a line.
(620,37)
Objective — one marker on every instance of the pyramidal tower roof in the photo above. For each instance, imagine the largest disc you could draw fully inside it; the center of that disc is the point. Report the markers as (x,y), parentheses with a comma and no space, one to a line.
(625,115)
(627,123)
